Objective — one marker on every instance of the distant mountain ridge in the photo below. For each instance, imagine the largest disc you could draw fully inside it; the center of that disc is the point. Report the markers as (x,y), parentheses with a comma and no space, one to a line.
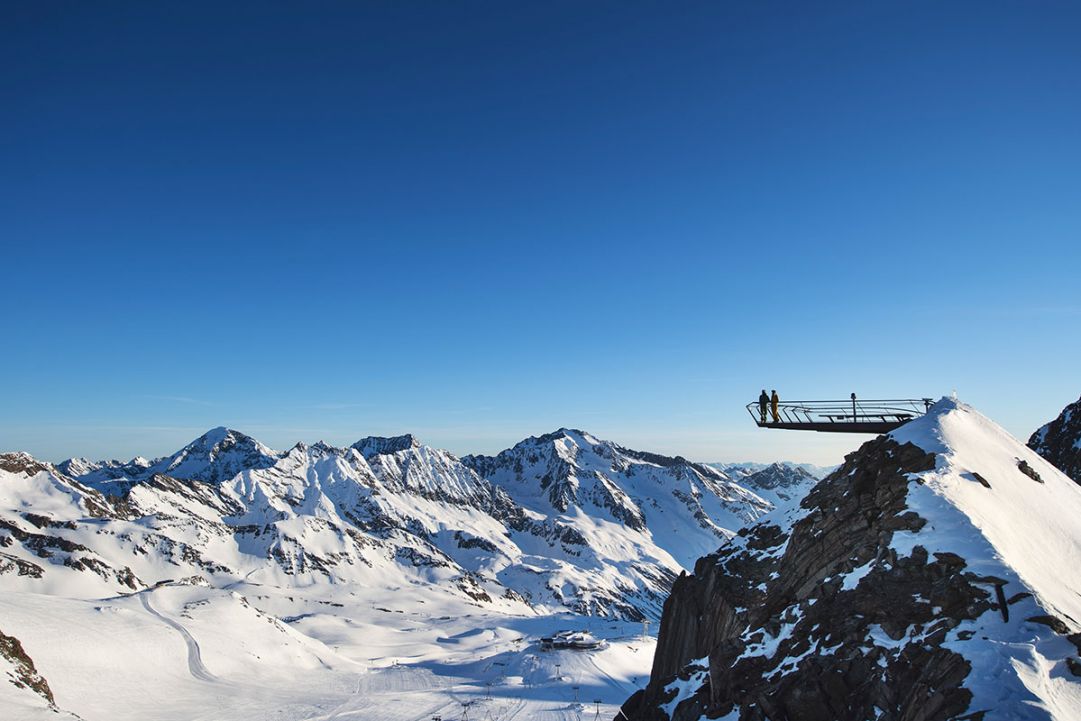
(562,519)
(745,468)
(570,467)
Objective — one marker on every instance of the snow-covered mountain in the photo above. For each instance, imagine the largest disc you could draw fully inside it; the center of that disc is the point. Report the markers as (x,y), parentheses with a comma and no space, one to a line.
(740,470)
(781,484)
(932,576)
(217,455)
(686,508)
(1060,441)
(229,531)
(559,520)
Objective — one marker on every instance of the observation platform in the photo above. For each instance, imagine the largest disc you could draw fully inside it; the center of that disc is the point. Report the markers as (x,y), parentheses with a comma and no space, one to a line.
(850,416)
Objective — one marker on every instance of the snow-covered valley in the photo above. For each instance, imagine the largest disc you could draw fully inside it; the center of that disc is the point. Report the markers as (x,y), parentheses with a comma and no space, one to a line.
(193,652)
(385,580)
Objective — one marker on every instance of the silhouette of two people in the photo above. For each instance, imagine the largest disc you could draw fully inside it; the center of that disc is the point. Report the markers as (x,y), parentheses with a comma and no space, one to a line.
(769,402)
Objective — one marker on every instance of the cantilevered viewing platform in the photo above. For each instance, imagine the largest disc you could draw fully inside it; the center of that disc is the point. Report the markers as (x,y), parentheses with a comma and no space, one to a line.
(849,416)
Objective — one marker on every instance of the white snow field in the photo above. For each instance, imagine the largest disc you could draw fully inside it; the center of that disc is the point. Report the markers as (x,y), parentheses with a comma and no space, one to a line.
(191,652)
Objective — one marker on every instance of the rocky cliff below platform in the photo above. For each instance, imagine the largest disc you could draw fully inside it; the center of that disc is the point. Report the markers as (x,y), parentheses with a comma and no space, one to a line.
(932,576)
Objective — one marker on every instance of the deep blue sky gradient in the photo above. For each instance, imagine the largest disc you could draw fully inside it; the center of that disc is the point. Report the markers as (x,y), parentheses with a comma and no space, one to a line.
(481,221)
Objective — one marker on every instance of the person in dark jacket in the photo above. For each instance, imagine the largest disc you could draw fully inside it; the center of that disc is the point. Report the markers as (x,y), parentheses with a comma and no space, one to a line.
(763,404)
(773,401)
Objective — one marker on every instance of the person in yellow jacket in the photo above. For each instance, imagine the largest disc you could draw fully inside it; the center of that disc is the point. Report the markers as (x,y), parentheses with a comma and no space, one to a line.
(773,401)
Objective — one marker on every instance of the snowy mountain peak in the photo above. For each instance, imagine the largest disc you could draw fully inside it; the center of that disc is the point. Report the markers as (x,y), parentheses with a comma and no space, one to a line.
(569,471)
(574,435)
(926,577)
(77,467)
(380,445)
(1017,499)
(779,483)
(778,475)
(218,434)
(22,462)
(217,455)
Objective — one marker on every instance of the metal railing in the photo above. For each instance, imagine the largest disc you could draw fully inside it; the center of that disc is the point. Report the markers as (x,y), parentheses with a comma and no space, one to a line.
(851,411)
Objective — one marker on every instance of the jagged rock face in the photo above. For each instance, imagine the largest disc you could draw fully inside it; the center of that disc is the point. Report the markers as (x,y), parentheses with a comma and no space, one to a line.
(1060,441)
(21,463)
(379,445)
(833,612)
(21,671)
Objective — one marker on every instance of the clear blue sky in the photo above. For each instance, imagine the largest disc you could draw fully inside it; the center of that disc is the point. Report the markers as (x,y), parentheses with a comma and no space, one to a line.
(481,221)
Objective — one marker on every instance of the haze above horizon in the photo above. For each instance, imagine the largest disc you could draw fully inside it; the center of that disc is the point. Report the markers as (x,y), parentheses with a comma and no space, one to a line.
(479,222)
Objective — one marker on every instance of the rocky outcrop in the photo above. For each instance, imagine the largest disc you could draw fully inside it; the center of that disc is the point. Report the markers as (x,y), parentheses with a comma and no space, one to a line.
(379,445)
(1060,441)
(22,672)
(829,613)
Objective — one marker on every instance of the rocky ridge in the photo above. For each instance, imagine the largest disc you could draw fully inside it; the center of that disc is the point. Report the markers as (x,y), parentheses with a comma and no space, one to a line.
(909,584)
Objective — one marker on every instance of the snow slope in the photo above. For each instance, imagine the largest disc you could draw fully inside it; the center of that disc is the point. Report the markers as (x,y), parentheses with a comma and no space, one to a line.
(1020,529)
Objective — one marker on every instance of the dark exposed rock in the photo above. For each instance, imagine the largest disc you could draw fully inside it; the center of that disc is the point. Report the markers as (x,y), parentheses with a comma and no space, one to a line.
(46,522)
(1051,622)
(1024,467)
(380,445)
(21,463)
(788,634)
(473,542)
(24,674)
(1060,441)
(14,564)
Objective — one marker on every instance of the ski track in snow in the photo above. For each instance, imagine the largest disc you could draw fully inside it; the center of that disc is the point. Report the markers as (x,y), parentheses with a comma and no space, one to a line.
(195,657)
